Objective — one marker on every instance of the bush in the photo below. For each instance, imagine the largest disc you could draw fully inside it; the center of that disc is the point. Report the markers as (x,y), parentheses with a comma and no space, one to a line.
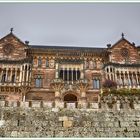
(109,84)
(123,91)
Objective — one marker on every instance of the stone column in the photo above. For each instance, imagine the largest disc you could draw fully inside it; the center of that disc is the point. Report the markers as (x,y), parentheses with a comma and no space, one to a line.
(64,74)
(6,77)
(115,76)
(106,73)
(76,73)
(67,75)
(57,72)
(82,85)
(82,72)
(15,75)
(133,80)
(20,75)
(72,75)
(30,75)
(137,80)
(24,90)
(1,75)
(129,81)
(120,79)
(124,79)
(11,75)
(23,76)
(109,73)
(27,75)
(57,85)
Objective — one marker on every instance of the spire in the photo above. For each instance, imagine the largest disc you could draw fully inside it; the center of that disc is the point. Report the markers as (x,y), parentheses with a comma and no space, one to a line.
(122,35)
(11,30)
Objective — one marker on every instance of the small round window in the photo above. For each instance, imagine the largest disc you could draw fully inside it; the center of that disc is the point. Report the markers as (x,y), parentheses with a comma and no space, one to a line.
(125,52)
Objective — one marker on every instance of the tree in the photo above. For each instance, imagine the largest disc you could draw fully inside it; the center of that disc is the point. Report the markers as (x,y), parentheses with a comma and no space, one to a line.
(109,84)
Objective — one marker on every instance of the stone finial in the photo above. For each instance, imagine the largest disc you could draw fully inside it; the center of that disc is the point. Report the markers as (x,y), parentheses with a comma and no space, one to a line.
(108,45)
(122,35)
(27,42)
(11,30)
(133,43)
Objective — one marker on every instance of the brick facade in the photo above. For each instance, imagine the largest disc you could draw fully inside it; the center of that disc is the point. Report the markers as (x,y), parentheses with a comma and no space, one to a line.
(35,70)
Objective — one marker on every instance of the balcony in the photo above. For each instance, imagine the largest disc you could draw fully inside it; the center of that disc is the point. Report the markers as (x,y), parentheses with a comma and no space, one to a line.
(14,83)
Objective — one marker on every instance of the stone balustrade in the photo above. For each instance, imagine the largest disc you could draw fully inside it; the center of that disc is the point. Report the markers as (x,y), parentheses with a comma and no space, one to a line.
(105,104)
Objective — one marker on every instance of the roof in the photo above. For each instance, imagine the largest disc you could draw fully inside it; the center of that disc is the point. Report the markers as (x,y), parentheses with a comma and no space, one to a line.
(5,61)
(13,35)
(122,65)
(68,48)
(122,39)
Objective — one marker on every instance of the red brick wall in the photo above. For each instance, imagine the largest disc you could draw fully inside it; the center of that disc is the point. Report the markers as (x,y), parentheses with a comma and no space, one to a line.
(19,48)
(116,52)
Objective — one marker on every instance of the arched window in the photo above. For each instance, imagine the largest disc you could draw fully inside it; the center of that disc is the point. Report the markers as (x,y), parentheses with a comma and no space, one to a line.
(13,79)
(38,81)
(78,74)
(3,78)
(96,83)
(94,64)
(39,62)
(47,62)
(61,74)
(107,70)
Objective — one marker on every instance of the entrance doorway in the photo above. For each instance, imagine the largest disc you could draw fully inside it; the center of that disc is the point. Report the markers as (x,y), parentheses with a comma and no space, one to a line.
(70,98)
(70,101)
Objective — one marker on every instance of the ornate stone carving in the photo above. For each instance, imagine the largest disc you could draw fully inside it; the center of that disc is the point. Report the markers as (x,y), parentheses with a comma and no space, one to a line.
(51,63)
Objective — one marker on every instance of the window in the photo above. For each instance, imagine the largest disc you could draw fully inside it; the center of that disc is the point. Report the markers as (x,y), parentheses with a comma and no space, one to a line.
(39,62)
(125,55)
(69,75)
(47,63)
(13,79)
(38,81)
(3,78)
(96,83)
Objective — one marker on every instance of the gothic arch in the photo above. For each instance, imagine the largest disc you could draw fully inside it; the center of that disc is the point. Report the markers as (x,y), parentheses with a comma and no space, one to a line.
(70,97)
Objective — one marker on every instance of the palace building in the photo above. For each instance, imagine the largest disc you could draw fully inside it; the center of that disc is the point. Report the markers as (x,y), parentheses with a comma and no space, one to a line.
(64,74)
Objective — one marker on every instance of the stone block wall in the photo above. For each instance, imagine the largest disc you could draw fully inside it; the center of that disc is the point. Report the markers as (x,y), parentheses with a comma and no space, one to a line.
(42,122)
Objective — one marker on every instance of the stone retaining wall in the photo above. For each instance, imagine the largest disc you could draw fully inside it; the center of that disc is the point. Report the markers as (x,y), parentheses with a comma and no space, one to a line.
(44,122)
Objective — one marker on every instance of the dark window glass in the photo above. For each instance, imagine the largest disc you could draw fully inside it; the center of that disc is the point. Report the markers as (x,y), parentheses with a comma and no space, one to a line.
(96,83)
(13,79)
(3,78)
(38,81)
(47,63)
(39,62)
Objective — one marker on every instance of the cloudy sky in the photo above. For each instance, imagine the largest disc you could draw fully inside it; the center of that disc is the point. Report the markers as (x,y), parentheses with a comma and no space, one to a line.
(71,24)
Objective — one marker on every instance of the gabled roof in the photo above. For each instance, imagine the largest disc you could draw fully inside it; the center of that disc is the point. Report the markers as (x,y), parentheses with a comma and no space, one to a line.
(122,39)
(14,36)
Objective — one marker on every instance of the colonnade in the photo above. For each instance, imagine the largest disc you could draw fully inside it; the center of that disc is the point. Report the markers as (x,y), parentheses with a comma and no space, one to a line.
(69,73)
(16,75)
(129,78)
